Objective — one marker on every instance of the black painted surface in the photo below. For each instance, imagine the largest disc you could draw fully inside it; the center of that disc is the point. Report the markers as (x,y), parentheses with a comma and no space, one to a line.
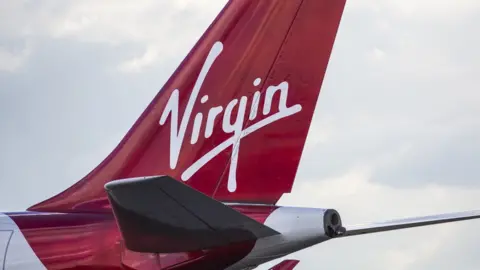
(163,215)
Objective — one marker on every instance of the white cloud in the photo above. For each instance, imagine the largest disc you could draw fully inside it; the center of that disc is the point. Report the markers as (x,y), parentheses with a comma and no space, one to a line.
(151,24)
(137,64)
(154,25)
(354,190)
(418,10)
(436,9)
(11,61)
(361,201)
(378,54)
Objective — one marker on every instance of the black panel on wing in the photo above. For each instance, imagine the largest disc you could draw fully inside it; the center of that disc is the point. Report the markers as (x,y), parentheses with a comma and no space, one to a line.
(162,215)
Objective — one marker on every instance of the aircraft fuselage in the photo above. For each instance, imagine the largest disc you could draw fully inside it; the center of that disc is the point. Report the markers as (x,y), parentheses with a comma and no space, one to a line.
(36,240)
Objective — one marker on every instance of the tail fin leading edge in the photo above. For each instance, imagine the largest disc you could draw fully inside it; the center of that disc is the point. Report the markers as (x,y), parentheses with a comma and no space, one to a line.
(233,119)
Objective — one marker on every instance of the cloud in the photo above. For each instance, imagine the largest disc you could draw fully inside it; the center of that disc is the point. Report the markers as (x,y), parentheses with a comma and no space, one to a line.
(402,94)
(360,200)
(418,10)
(435,9)
(114,23)
(138,63)
(11,61)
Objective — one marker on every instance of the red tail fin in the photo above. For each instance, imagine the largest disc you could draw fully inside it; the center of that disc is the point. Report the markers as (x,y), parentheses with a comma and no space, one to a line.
(233,119)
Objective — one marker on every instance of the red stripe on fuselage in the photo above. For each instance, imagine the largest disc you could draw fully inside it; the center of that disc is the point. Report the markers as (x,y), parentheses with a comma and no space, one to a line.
(93,241)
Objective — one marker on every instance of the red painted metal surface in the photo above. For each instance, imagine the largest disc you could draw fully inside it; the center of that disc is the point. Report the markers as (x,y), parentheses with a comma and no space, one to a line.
(63,241)
(261,45)
(274,40)
(93,241)
(286,265)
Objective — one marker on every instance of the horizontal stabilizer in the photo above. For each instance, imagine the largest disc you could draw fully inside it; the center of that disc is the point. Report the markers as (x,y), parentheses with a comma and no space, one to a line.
(162,215)
(409,223)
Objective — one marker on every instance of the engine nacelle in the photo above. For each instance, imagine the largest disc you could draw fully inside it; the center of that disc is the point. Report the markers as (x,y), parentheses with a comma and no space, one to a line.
(305,224)
(332,223)
(299,228)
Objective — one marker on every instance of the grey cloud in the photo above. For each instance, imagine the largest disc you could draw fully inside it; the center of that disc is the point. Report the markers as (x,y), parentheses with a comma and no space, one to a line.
(453,161)
(402,250)
(460,253)
(67,106)
(419,96)
(65,103)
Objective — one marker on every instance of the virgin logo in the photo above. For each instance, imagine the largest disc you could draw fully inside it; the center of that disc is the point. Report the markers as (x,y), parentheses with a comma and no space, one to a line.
(177,133)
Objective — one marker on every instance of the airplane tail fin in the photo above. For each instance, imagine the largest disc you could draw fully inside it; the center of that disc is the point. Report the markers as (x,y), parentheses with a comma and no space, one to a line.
(232,120)
(162,215)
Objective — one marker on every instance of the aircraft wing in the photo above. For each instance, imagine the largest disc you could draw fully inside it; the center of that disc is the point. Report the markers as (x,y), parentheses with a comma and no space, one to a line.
(408,223)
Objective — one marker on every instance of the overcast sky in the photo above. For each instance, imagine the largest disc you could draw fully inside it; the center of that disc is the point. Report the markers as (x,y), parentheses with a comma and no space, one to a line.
(396,132)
